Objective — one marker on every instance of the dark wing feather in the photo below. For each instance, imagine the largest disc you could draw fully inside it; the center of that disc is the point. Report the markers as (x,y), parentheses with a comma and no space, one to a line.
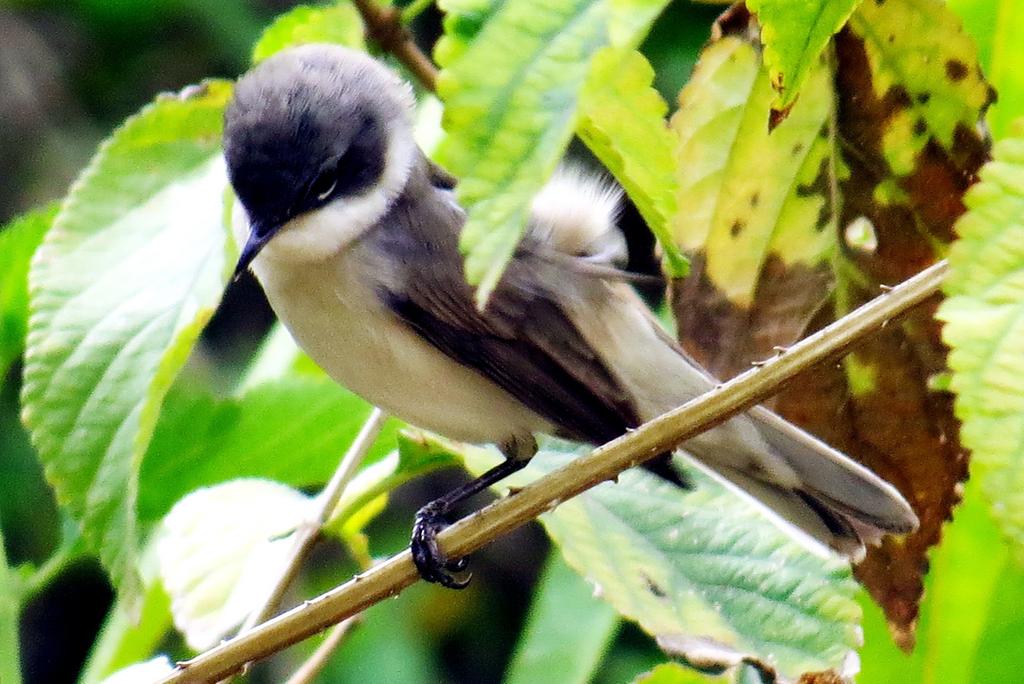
(523,341)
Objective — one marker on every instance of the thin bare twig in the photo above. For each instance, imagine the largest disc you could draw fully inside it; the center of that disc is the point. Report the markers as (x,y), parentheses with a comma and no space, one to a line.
(309,531)
(605,463)
(384,27)
(316,662)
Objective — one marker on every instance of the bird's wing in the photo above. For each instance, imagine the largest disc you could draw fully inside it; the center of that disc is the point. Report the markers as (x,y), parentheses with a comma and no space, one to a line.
(523,341)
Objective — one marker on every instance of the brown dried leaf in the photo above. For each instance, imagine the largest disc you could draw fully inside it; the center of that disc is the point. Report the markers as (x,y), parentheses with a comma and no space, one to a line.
(903,148)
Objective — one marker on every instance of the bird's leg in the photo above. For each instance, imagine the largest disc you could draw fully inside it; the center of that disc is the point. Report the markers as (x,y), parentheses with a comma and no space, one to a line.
(431,562)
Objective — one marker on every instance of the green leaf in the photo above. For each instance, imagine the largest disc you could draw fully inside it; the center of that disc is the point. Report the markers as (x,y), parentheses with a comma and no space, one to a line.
(995,27)
(622,121)
(293,430)
(962,593)
(220,551)
(795,35)
(10,612)
(962,605)
(984,317)
(18,241)
(752,197)
(567,632)
(463,20)
(221,547)
(119,291)
(141,673)
(123,641)
(510,108)
(339,23)
(703,570)
(674,673)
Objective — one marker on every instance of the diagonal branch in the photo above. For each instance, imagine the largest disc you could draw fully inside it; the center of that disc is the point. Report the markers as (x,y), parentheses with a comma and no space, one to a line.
(605,463)
(384,27)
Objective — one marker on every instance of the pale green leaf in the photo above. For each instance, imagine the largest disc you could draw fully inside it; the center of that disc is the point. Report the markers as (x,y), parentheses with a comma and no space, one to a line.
(750,194)
(18,241)
(293,430)
(338,23)
(622,121)
(10,613)
(222,547)
(794,35)
(984,316)
(674,673)
(142,673)
(630,21)
(995,27)
(905,40)
(703,570)
(220,551)
(510,108)
(119,290)
(567,630)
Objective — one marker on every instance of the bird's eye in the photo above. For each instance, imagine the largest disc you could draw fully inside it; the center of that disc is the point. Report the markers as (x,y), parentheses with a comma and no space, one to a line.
(323,186)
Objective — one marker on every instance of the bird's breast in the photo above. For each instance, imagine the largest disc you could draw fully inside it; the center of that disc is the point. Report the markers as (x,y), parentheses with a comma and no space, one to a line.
(334,312)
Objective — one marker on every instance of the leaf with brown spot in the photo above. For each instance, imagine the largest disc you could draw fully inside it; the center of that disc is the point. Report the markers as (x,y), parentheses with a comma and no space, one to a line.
(900,148)
(755,203)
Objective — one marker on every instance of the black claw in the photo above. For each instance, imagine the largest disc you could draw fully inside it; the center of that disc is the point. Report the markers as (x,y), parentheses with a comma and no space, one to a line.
(432,564)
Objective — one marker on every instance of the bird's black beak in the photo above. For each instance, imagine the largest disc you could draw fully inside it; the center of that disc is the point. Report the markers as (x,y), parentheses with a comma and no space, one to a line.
(259,235)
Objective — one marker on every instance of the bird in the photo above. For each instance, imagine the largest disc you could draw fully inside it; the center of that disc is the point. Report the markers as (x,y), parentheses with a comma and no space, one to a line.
(353,234)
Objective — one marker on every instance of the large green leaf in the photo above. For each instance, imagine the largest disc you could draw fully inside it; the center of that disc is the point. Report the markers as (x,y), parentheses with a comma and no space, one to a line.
(293,430)
(567,632)
(18,241)
(338,23)
(119,290)
(622,121)
(703,570)
(10,612)
(510,108)
(984,317)
(794,35)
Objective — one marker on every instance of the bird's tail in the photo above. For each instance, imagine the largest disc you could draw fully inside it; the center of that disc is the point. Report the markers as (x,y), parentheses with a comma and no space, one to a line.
(805,484)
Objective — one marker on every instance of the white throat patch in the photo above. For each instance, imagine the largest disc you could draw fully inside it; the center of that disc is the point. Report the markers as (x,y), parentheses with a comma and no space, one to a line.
(321,233)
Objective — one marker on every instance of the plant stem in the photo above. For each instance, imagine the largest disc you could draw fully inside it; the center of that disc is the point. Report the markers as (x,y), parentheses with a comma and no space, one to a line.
(604,463)
(309,531)
(384,27)
(316,662)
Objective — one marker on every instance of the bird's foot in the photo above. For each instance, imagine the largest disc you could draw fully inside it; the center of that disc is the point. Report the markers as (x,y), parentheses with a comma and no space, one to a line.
(431,562)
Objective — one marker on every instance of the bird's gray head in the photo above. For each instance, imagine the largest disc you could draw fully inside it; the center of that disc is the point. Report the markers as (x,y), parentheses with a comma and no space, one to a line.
(318,142)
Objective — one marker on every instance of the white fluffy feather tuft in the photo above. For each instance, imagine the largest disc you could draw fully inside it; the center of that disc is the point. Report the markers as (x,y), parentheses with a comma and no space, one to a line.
(576,213)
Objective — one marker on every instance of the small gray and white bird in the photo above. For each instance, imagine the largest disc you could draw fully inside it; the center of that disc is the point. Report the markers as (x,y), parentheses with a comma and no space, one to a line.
(353,234)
